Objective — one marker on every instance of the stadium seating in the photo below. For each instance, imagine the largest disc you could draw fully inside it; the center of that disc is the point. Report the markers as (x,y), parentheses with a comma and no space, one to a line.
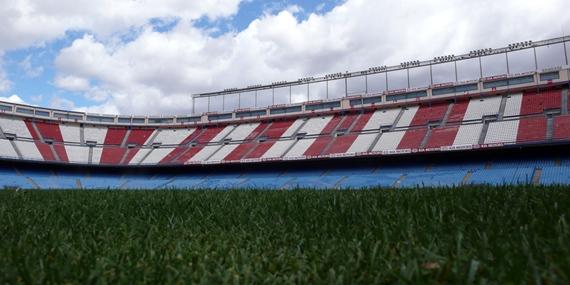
(502,132)
(561,127)
(427,114)
(389,141)
(6,149)
(113,151)
(513,105)
(458,111)
(534,102)
(480,107)
(468,134)
(532,129)
(443,136)
(403,174)
(532,116)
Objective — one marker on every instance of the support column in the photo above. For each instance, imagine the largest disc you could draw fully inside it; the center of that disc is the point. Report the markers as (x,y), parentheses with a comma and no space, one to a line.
(208,110)
(430,74)
(535,59)
(345,87)
(480,68)
(456,76)
(507,59)
(565,52)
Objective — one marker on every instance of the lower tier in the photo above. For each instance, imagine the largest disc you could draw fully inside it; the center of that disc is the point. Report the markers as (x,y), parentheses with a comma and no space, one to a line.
(540,166)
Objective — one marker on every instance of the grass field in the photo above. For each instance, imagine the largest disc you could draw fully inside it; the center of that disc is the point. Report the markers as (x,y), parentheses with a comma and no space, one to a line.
(474,235)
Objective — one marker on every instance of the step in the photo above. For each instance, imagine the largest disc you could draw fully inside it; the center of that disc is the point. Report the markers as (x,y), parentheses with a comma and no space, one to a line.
(502,107)
(549,127)
(467,177)
(426,138)
(564,95)
(447,113)
(399,181)
(483,134)
(536,176)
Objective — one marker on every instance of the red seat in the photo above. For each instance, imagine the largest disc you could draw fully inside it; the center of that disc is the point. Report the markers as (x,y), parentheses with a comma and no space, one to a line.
(561,128)
(321,143)
(532,129)
(342,144)
(248,143)
(137,137)
(426,114)
(537,102)
(412,138)
(318,145)
(181,148)
(274,132)
(361,121)
(458,111)
(112,151)
(347,121)
(442,137)
(201,139)
(48,131)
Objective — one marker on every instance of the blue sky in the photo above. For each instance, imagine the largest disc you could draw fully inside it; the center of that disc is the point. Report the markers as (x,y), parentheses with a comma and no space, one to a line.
(120,56)
(31,70)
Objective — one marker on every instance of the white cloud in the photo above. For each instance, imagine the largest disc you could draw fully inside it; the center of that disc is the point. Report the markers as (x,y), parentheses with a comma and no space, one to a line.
(36,99)
(72,83)
(25,23)
(13,99)
(106,108)
(33,22)
(156,72)
(61,103)
(30,70)
(5,83)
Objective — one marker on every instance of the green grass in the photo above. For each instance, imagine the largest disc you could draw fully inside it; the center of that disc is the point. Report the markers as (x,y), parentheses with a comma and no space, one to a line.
(474,235)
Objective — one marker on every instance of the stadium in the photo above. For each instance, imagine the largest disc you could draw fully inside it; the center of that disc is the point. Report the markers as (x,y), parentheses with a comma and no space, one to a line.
(510,128)
(451,169)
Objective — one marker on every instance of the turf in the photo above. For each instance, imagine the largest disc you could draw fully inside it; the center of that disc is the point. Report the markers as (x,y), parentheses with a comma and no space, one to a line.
(473,235)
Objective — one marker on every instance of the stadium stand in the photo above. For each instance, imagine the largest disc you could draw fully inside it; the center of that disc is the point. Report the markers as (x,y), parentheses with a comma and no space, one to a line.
(468,134)
(562,127)
(530,113)
(442,136)
(480,107)
(479,168)
(502,132)
(278,129)
(534,102)
(532,129)
(496,120)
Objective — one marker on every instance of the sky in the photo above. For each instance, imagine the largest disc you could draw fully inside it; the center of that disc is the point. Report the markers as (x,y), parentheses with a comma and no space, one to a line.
(148,57)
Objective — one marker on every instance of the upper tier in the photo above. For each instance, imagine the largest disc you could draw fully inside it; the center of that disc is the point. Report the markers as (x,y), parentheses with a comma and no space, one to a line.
(518,109)
(488,85)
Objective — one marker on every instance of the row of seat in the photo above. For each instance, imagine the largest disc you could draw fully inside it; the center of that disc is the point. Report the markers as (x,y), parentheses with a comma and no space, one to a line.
(437,126)
(496,172)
